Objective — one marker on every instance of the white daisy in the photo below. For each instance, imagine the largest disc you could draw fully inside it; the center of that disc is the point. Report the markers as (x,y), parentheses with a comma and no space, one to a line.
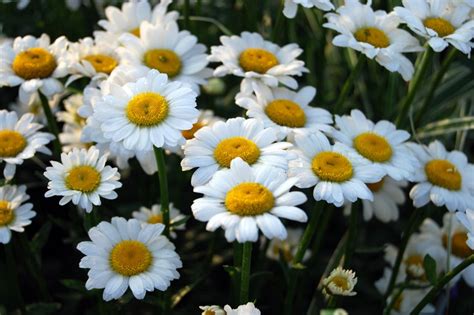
(82,178)
(247,309)
(146,113)
(291,6)
(154,216)
(467,219)
(20,140)
(126,254)
(287,248)
(255,59)
(91,59)
(214,147)
(445,178)
(337,173)
(340,282)
(14,214)
(375,34)
(34,107)
(388,195)
(166,49)
(212,310)
(70,136)
(438,238)
(380,143)
(243,199)
(442,22)
(132,14)
(34,64)
(285,110)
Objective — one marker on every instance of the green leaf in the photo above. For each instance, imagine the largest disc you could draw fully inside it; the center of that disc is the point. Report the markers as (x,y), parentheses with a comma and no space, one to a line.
(445,126)
(430,268)
(43,308)
(40,238)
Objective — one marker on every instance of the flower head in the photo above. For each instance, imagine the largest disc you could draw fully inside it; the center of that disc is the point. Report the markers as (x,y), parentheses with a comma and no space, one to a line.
(247,309)
(340,282)
(155,216)
(291,6)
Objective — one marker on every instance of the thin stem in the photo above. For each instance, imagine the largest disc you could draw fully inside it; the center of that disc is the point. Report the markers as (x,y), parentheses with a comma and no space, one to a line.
(437,80)
(52,125)
(411,226)
(216,23)
(302,247)
(13,274)
(348,84)
(278,23)
(441,283)
(186,14)
(245,272)
(414,85)
(164,196)
(352,234)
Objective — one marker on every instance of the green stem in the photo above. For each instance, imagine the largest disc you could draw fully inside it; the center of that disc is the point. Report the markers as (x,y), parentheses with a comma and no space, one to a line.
(278,23)
(414,85)
(245,272)
(441,283)
(348,84)
(437,80)
(186,14)
(52,125)
(352,234)
(12,273)
(302,247)
(411,227)
(322,226)
(164,196)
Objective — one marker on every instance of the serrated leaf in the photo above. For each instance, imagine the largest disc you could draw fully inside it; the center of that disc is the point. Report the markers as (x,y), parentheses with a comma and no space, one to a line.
(43,308)
(430,268)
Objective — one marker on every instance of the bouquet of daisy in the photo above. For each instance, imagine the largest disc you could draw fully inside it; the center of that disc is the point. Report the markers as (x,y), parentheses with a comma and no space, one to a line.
(172,157)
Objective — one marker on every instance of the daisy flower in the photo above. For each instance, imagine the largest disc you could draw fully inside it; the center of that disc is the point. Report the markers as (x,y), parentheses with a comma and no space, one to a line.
(166,49)
(243,199)
(206,118)
(439,239)
(388,195)
(126,254)
(291,6)
(285,110)
(375,34)
(442,22)
(445,178)
(337,173)
(256,60)
(82,178)
(247,309)
(467,219)
(33,106)
(14,213)
(146,113)
(214,147)
(20,140)
(287,248)
(340,282)
(34,64)
(71,134)
(91,59)
(380,143)
(154,216)
(131,15)
(212,310)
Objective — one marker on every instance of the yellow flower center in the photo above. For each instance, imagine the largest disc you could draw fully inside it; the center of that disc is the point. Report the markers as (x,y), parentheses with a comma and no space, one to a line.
(147,109)
(155,218)
(163,60)
(440,26)
(189,134)
(34,63)
(130,258)
(83,178)
(11,143)
(234,147)
(249,199)
(340,282)
(398,303)
(332,167)
(102,63)
(135,31)
(372,36)
(458,244)
(284,249)
(286,113)
(6,213)
(373,147)
(444,174)
(375,187)
(257,60)
(209,312)
(414,262)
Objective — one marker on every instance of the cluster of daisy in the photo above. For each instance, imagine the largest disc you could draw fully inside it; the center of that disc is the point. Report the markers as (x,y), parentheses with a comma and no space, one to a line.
(247,309)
